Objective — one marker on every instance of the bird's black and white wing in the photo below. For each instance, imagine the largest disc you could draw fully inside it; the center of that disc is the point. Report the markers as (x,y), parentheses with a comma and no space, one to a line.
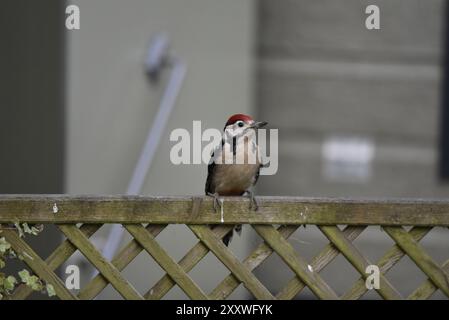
(210,188)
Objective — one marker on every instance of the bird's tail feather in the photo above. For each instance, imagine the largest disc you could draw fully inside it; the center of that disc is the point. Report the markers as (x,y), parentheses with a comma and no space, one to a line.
(228,237)
(238,228)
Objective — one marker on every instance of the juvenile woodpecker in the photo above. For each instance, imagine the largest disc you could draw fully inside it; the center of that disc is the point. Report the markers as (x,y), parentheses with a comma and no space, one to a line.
(235,164)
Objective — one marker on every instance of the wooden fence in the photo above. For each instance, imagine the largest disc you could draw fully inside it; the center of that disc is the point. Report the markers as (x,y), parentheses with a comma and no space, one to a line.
(78,218)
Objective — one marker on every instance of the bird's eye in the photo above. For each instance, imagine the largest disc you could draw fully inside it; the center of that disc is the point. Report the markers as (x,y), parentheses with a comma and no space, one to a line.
(240,123)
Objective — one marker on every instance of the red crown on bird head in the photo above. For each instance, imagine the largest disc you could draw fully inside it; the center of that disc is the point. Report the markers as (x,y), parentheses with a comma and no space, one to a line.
(239,117)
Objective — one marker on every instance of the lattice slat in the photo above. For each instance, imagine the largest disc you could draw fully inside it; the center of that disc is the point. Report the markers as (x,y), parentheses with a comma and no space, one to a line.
(178,275)
(110,272)
(414,250)
(360,263)
(318,263)
(37,264)
(259,255)
(120,261)
(316,284)
(60,255)
(426,290)
(190,260)
(388,260)
(231,262)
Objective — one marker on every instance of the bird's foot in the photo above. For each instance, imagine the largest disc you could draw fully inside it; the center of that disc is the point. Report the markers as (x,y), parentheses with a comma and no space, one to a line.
(252,201)
(217,202)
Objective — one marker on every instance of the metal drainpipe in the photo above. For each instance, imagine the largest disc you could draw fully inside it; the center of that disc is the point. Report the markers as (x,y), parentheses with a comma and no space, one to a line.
(158,59)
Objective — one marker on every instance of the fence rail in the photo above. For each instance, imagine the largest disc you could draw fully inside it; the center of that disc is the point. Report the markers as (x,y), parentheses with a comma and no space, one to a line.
(406,222)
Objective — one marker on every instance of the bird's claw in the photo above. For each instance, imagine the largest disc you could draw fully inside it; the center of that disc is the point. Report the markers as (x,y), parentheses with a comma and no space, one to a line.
(254,204)
(252,201)
(216,200)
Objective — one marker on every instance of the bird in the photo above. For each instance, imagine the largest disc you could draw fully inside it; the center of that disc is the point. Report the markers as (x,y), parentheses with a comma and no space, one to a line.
(235,164)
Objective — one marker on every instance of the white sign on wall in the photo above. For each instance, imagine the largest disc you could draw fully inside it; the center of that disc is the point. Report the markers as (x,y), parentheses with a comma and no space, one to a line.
(347,159)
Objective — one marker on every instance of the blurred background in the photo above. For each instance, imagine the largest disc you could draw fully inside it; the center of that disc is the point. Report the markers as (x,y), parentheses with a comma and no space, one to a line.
(360,113)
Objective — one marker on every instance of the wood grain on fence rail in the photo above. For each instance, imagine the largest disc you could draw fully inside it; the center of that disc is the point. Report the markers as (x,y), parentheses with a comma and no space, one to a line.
(62,209)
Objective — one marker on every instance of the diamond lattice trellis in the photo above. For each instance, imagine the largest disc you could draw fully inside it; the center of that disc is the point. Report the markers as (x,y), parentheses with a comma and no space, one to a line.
(156,213)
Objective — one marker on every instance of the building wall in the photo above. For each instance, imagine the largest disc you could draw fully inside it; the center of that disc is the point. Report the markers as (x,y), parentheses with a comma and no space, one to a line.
(372,95)
(330,76)
(111,104)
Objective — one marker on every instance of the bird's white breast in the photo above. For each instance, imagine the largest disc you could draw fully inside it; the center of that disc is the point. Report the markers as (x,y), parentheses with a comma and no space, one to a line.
(234,174)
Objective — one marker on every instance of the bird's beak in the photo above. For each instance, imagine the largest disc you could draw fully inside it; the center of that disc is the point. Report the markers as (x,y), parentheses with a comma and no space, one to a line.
(259,124)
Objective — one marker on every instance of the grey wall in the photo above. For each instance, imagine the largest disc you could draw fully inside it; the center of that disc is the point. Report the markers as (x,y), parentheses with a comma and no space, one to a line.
(322,74)
(111,104)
